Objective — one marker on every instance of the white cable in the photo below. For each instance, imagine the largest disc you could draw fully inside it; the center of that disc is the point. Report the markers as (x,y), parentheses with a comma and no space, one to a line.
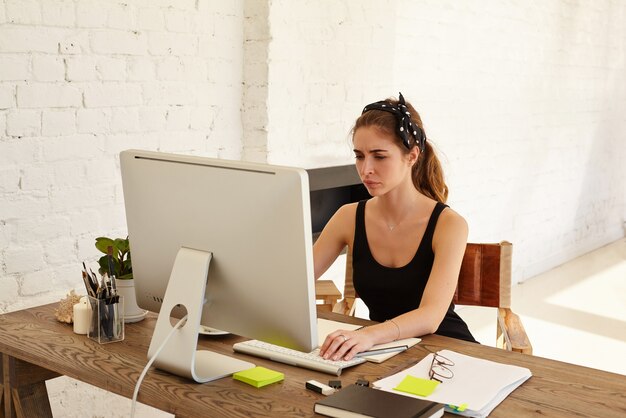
(145,369)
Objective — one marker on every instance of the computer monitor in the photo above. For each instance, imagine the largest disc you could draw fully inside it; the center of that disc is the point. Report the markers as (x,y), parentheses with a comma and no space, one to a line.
(227,242)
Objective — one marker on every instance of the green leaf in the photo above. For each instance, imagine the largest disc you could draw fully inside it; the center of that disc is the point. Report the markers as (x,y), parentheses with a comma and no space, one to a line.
(103,262)
(122,266)
(103,243)
(122,245)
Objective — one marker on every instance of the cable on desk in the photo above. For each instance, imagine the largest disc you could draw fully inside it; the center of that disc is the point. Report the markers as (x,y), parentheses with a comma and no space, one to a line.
(145,370)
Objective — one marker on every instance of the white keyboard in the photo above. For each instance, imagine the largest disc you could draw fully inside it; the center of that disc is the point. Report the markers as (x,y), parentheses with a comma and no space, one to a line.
(310,360)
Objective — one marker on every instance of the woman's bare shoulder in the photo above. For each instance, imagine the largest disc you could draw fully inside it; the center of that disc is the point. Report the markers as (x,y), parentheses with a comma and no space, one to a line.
(451,224)
(348,208)
(450,216)
(340,227)
(345,214)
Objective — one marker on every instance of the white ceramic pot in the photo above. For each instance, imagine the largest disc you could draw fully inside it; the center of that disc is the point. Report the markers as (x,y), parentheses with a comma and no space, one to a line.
(132,312)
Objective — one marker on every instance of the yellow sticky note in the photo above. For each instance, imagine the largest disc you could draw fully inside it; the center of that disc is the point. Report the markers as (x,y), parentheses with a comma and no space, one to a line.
(258,376)
(417,386)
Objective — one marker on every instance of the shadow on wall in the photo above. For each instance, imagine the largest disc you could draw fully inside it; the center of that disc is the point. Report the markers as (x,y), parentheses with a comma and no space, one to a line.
(601,195)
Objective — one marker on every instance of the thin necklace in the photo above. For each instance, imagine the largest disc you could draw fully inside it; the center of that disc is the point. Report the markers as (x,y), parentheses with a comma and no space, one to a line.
(393,226)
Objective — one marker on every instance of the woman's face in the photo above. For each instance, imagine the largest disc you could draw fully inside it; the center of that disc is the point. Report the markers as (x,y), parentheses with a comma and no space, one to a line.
(380,162)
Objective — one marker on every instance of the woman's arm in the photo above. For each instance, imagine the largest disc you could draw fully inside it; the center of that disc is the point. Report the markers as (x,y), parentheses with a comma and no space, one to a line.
(449,243)
(333,239)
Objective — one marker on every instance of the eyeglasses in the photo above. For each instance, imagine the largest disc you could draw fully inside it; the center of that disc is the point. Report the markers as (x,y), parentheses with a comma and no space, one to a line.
(440,368)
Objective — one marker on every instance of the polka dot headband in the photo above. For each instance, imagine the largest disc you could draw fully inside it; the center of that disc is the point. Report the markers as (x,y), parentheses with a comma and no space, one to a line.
(406,128)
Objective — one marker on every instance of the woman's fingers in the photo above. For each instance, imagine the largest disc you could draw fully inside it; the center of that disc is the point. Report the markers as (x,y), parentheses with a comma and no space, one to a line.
(342,344)
(327,342)
(333,343)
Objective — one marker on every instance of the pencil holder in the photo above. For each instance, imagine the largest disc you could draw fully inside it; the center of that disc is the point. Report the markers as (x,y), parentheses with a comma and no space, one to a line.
(107,319)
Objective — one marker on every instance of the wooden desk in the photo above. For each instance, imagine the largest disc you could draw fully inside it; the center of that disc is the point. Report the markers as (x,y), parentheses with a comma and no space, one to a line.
(36,347)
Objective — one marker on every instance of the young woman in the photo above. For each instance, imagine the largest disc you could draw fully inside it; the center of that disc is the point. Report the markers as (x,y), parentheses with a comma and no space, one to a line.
(406,244)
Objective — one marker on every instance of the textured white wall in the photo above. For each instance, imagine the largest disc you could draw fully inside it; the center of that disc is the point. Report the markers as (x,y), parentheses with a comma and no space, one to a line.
(526,101)
(255,72)
(80,81)
(329,58)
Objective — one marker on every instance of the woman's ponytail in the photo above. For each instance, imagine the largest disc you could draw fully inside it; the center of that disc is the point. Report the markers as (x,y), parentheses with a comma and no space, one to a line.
(428,175)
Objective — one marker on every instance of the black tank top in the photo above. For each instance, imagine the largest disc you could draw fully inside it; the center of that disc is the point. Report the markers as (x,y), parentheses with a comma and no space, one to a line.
(392,291)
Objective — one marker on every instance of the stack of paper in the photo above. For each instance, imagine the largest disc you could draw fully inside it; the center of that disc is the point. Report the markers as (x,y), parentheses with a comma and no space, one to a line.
(476,388)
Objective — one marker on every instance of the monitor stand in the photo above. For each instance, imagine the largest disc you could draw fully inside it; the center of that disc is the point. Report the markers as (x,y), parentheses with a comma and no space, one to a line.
(180,356)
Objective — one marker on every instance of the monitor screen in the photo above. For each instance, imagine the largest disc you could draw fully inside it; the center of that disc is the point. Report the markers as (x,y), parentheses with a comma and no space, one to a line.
(254,219)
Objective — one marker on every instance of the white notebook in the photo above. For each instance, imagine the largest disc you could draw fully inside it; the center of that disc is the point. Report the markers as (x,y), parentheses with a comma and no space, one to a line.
(325,327)
(478,384)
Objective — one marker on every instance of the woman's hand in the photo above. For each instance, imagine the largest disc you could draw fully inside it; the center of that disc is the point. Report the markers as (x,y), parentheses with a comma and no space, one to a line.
(344,344)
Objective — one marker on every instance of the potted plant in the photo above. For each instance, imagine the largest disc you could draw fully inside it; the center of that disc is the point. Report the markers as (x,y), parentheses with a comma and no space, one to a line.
(120,251)
(122,269)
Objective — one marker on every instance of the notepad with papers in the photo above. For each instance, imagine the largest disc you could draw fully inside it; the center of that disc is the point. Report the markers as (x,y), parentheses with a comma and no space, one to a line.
(475,389)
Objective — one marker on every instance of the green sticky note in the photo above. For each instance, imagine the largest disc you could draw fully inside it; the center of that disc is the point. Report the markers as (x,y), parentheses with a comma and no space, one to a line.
(258,376)
(459,408)
(417,386)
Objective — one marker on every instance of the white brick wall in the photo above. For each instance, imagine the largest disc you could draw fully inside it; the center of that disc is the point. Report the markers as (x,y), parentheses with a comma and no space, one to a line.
(79,82)
(58,122)
(48,68)
(533,115)
(334,59)
(255,95)
(42,95)
(24,39)
(7,97)
(22,123)
(13,67)
(526,104)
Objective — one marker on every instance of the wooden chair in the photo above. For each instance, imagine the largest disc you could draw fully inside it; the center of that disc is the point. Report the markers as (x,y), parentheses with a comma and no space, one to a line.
(327,293)
(484,280)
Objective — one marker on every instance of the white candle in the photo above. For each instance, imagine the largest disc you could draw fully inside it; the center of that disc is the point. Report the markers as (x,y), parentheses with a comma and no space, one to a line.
(82,315)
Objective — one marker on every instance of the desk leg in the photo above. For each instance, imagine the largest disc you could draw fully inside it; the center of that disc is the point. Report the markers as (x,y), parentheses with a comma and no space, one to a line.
(24,392)
(5,396)
(2,409)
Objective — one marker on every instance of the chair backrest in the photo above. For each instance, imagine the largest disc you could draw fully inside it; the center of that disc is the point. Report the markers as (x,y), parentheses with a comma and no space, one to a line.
(485,276)
(484,279)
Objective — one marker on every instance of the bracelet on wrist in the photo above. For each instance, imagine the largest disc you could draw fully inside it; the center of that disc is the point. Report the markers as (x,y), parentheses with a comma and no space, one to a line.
(397,326)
